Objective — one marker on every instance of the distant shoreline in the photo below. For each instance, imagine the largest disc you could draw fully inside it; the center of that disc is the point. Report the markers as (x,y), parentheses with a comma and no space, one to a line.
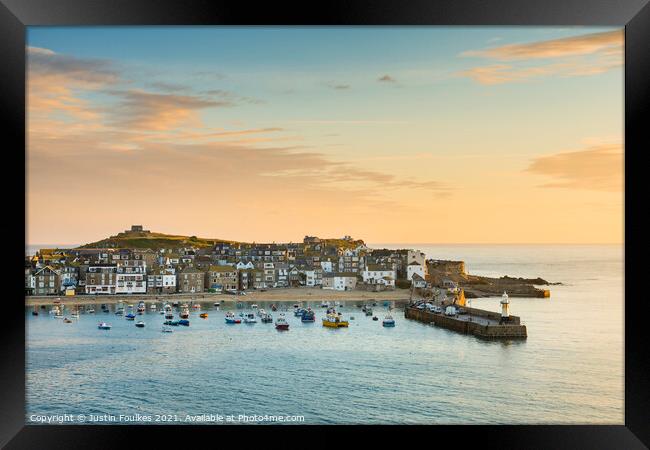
(277,295)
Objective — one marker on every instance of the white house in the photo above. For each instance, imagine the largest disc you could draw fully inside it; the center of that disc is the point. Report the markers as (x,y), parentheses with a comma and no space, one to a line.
(378,274)
(326,266)
(313,277)
(415,256)
(413,268)
(339,281)
(243,266)
(131,280)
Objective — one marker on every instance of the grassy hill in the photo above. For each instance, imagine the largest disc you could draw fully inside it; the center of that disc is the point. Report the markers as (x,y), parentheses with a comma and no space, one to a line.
(152,240)
(155,241)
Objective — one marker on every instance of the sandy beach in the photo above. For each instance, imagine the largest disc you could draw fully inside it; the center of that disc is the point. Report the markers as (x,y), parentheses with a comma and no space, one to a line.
(271,295)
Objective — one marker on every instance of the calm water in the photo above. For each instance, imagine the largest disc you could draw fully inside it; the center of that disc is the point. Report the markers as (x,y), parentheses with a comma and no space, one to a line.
(569,370)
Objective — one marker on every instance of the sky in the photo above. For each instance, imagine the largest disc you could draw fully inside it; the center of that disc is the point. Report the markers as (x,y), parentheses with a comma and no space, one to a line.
(388,134)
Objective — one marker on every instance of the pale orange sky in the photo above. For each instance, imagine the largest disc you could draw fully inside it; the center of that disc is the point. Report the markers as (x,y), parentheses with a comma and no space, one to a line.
(485,135)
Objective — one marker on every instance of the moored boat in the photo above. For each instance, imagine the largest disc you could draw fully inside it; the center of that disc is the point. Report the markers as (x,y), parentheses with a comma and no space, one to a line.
(203,315)
(66,320)
(104,326)
(298,312)
(266,318)
(230,318)
(169,314)
(139,324)
(308,316)
(281,323)
(141,307)
(173,323)
(130,316)
(184,322)
(167,329)
(333,320)
(388,321)
(250,318)
(273,307)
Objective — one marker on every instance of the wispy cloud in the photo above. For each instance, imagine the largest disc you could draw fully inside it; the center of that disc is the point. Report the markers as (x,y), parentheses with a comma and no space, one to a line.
(573,56)
(599,167)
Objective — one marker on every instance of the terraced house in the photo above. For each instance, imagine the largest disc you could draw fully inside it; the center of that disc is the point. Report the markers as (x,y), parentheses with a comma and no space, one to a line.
(222,278)
(190,280)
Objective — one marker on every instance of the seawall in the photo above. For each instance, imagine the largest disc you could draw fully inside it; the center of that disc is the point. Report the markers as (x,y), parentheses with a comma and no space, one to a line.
(484,324)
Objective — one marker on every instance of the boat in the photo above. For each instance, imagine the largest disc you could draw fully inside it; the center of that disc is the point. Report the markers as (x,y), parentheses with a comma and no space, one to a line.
(130,316)
(141,307)
(173,323)
(261,312)
(104,326)
(281,323)
(184,322)
(174,304)
(267,318)
(216,304)
(66,320)
(75,314)
(169,314)
(139,324)
(388,321)
(324,304)
(375,318)
(35,311)
(333,320)
(250,318)
(240,305)
(185,312)
(167,329)
(153,307)
(91,311)
(308,316)
(106,310)
(196,306)
(298,312)
(230,318)
(296,305)
(119,312)
(104,306)
(254,306)
(203,315)
(368,311)
(273,307)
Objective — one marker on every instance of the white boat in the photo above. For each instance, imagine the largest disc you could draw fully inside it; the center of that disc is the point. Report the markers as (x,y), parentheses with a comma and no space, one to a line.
(250,318)
(388,321)
(75,315)
(91,311)
(254,306)
(104,326)
(169,314)
(139,324)
(153,307)
(216,304)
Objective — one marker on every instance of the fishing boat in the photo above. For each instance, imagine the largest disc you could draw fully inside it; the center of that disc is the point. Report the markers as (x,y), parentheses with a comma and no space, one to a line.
(250,318)
(130,316)
(169,314)
(184,322)
(388,321)
(333,320)
(173,323)
(104,326)
(267,318)
(139,324)
(281,323)
(185,312)
(141,307)
(167,329)
(230,318)
(308,316)
(203,315)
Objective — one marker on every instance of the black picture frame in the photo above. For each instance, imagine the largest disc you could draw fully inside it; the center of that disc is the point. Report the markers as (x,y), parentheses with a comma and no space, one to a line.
(16,15)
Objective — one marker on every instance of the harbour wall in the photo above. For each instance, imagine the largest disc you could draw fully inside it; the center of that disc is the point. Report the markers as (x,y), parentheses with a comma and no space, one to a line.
(513,329)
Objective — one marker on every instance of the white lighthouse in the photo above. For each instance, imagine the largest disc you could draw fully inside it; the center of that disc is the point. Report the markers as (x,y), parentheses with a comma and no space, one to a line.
(505,306)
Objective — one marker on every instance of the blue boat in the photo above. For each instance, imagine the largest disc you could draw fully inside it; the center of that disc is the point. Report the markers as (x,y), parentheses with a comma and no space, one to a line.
(308,316)
(130,316)
(184,322)
(388,321)
(298,312)
(173,323)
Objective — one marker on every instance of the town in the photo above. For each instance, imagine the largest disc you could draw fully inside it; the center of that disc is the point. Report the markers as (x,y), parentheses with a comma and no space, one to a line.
(332,264)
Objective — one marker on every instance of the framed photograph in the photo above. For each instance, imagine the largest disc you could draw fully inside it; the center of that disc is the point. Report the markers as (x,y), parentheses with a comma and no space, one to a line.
(407,219)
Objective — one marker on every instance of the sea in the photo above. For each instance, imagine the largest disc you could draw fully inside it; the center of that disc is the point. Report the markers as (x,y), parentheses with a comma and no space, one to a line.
(570,369)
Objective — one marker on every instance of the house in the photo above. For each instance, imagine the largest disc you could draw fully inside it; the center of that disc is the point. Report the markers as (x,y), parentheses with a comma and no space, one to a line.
(222,278)
(327,266)
(340,281)
(313,277)
(190,280)
(161,280)
(413,268)
(30,281)
(379,274)
(415,256)
(101,279)
(296,277)
(47,281)
(281,275)
(269,274)
(418,281)
(257,279)
(130,279)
